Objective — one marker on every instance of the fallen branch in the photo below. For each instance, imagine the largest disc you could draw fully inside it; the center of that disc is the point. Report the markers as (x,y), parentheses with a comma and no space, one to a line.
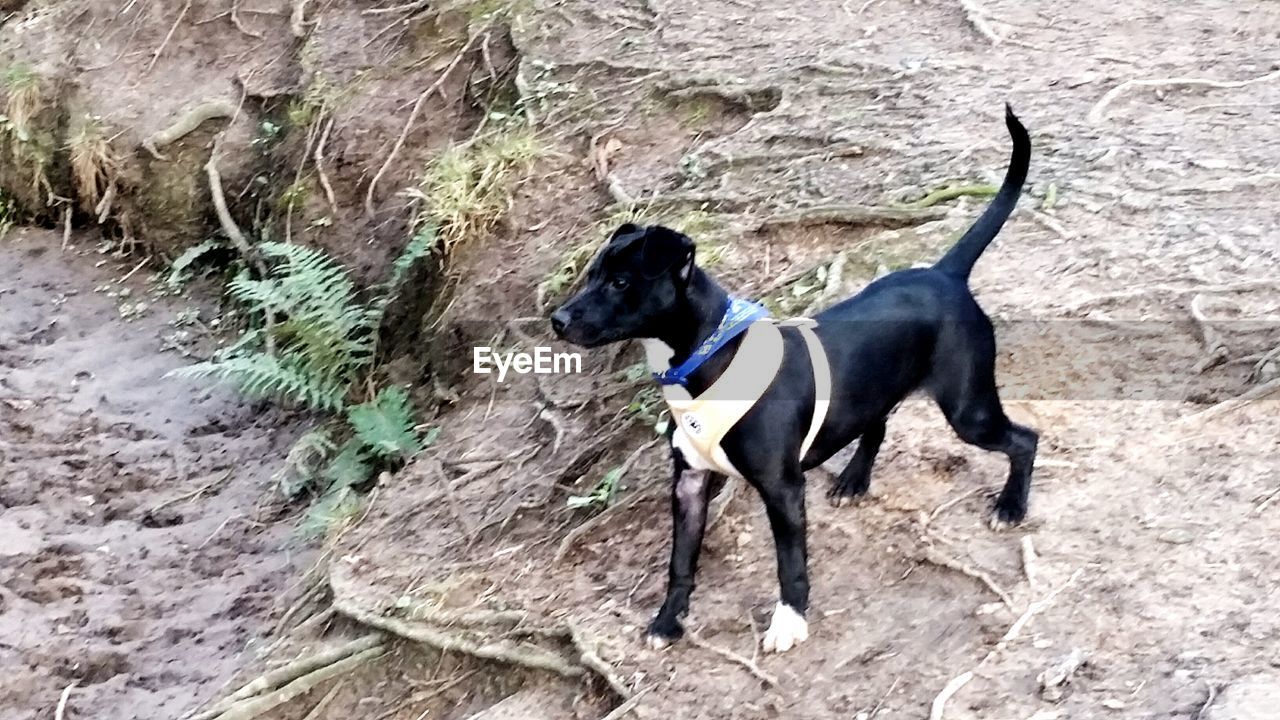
(1168,289)
(619,712)
(1029,561)
(884,215)
(187,123)
(1096,114)
(318,709)
(934,556)
(500,651)
(235,20)
(413,116)
(751,667)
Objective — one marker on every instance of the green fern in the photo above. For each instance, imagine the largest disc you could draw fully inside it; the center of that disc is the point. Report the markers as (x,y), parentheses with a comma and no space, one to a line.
(385,424)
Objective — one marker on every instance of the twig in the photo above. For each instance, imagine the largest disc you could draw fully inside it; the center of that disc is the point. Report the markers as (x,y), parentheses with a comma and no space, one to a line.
(948,505)
(1016,629)
(61,711)
(1137,292)
(888,216)
(1265,501)
(66,228)
(936,557)
(751,667)
(721,501)
(407,7)
(156,55)
(1029,561)
(974,13)
(193,494)
(1215,349)
(566,543)
(413,116)
(940,701)
(1096,114)
(1227,406)
(319,158)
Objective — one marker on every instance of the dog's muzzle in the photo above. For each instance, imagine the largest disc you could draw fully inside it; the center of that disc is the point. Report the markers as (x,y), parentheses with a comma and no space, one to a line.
(559,321)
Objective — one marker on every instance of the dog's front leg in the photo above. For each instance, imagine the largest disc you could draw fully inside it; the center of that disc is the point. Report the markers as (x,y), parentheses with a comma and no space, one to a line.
(784,503)
(689,492)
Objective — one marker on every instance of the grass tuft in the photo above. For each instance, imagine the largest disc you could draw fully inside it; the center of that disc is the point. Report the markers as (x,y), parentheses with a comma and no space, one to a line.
(467,189)
(94,165)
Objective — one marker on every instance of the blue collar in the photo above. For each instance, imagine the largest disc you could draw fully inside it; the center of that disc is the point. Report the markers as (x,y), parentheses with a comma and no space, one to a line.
(737,318)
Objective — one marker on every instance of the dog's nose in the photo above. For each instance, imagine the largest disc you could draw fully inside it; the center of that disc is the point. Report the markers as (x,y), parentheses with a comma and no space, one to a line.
(559,321)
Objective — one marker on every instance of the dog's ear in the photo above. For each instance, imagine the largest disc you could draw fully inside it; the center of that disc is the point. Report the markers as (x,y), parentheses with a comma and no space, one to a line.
(665,249)
(625,229)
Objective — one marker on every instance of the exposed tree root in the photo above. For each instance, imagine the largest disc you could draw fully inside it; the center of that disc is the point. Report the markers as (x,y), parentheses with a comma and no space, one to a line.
(525,655)
(187,123)
(61,711)
(1097,112)
(298,18)
(319,158)
(754,98)
(182,14)
(882,215)
(976,16)
(256,706)
(952,192)
(590,658)
(292,672)
(1260,392)
(234,234)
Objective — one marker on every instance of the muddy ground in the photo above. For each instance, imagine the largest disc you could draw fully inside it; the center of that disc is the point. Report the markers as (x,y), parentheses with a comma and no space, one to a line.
(1152,525)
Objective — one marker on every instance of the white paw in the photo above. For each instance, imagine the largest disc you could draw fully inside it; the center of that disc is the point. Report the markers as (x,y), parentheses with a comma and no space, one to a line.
(786,630)
(656,643)
(999,525)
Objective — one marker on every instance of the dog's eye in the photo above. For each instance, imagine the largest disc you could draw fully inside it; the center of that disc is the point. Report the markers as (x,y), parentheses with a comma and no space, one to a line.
(619,283)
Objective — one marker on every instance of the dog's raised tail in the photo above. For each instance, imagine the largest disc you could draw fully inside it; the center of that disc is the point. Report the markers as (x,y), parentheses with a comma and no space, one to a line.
(959,260)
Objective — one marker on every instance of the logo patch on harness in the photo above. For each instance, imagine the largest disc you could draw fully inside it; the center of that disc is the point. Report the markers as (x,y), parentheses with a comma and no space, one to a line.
(693,425)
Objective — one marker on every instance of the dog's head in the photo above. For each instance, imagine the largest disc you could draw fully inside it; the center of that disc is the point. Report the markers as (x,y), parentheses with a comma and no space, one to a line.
(632,288)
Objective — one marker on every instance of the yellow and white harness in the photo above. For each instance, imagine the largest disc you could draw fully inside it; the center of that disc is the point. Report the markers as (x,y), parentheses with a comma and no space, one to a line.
(702,422)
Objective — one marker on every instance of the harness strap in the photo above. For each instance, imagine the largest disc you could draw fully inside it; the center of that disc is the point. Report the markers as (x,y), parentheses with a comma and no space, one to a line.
(706,419)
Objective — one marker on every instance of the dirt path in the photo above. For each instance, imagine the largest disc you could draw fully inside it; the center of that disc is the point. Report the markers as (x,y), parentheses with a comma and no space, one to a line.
(145,610)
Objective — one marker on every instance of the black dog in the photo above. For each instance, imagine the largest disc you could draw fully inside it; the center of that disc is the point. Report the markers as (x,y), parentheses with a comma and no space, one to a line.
(912,329)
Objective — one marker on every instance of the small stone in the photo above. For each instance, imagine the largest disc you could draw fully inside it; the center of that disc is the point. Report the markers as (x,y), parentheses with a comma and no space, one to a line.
(1176,536)
(1113,704)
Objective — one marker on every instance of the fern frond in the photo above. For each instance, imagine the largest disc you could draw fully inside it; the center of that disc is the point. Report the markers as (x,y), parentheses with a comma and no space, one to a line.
(263,376)
(385,424)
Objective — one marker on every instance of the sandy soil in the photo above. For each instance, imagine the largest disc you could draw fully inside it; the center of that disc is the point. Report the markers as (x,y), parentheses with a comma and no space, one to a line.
(139,560)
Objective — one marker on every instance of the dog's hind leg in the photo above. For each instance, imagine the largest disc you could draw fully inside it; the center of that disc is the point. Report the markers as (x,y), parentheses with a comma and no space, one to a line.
(855,479)
(784,504)
(964,384)
(977,417)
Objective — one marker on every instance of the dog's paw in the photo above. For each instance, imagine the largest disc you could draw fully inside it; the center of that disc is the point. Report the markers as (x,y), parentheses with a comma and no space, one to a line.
(663,632)
(1003,518)
(787,629)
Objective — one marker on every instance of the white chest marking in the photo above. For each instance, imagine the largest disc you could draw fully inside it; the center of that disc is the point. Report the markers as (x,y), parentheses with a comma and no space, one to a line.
(658,354)
(786,630)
